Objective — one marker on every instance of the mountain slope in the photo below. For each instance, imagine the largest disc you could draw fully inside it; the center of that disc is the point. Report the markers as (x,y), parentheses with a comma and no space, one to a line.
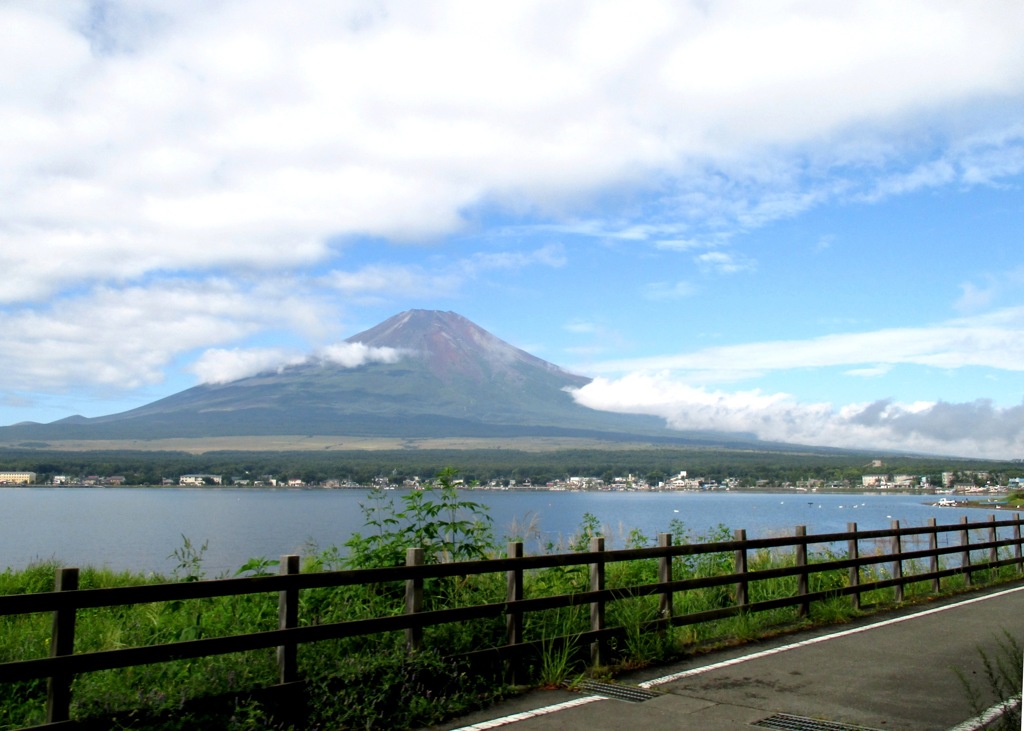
(437,375)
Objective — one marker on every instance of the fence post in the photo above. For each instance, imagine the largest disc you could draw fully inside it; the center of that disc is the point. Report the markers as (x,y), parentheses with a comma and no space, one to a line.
(965,555)
(1016,543)
(993,551)
(665,610)
(801,560)
(933,559)
(514,617)
(853,553)
(288,618)
(740,568)
(897,564)
(598,649)
(62,642)
(414,599)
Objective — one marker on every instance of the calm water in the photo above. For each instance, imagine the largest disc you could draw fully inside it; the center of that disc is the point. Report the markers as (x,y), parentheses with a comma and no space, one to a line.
(138,529)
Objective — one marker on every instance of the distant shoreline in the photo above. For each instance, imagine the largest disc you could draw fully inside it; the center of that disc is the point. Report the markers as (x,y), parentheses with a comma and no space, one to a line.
(923,493)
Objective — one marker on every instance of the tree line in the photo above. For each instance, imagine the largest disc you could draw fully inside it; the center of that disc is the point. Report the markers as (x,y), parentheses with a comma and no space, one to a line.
(151,468)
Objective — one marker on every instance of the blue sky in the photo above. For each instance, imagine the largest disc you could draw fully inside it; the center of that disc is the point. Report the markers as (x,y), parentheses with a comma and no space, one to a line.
(802,220)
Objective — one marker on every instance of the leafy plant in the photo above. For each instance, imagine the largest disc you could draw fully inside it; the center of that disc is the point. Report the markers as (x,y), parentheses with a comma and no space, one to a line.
(396,690)
(436,518)
(257,567)
(190,560)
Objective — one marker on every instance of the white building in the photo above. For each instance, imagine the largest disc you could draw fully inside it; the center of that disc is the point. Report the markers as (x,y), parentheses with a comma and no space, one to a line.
(200,479)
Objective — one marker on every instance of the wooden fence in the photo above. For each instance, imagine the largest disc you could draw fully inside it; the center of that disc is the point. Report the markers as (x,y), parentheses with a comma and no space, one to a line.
(968,548)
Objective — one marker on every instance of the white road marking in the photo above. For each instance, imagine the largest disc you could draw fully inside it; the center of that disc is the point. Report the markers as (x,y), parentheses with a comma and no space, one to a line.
(514,718)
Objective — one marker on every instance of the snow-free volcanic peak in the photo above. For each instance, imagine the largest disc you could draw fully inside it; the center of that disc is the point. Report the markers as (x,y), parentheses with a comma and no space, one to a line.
(453,347)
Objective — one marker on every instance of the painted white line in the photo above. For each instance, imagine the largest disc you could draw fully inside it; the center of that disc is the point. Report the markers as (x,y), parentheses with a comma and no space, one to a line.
(516,717)
(817,640)
(990,715)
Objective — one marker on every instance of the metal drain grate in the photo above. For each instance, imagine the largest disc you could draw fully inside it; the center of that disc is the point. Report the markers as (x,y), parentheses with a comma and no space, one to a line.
(620,692)
(786,722)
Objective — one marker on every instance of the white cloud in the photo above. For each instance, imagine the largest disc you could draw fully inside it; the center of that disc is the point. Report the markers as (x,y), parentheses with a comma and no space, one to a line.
(200,136)
(121,339)
(988,156)
(994,340)
(721,262)
(668,291)
(680,244)
(352,355)
(582,327)
(974,298)
(676,388)
(376,282)
(970,429)
(824,243)
(931,174)
(870,372)
(552,255)
(219,365)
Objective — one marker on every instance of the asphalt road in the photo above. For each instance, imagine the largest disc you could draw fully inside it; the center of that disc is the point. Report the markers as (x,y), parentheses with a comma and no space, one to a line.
(898,671)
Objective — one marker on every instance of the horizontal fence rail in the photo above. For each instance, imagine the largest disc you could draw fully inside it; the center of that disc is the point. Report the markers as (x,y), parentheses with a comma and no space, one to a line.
(870,561)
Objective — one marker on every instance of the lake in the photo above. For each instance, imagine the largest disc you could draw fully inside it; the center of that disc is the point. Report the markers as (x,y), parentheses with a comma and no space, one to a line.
(138,528)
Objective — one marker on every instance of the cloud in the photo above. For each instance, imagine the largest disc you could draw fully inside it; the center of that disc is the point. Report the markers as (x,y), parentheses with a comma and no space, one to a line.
(676,389)
(994,340)
(870,372)
(679,244)
(931,174)
(376,282)
(552,255)
(824,243)
(351,355)
(720,262)
(583,327)
(986,157)
(119,339)
(971,429)
(974,298)
(669,291)
(176,138)
(994,287)
(218,365)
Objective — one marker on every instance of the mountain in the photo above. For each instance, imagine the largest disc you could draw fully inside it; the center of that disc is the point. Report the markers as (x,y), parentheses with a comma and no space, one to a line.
(429,374)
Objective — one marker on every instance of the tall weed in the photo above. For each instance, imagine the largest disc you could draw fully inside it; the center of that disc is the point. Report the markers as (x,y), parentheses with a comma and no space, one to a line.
(1001,682)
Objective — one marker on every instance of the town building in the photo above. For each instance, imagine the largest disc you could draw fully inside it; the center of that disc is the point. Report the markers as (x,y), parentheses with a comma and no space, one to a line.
(17,478)
(200,479)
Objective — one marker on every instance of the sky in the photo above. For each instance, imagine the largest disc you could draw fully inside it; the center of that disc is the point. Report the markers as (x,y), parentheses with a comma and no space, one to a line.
(802,220)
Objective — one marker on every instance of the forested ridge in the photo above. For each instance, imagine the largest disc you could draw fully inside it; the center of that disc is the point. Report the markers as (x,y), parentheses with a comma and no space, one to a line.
(362,466)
